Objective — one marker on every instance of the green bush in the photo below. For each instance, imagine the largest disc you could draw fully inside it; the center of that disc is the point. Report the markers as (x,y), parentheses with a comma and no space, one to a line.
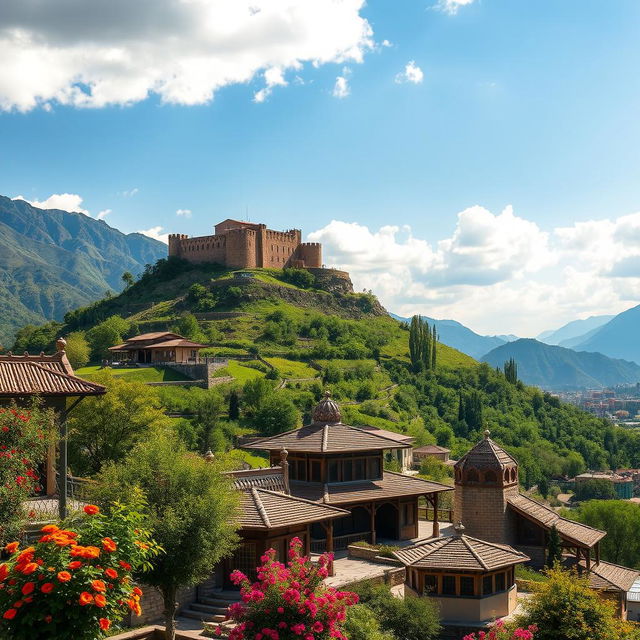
(362,624)
(298,277)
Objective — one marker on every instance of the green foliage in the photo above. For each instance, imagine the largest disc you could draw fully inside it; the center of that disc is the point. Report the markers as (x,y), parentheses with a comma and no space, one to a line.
(255,393)
(411,618)
(234,405)
(200,298)
(276,414)
(207,409)
(78,350)
(362,624)
(531,575)
(35,339)
(554,548)
(108,333)
(511,371)
(104,428)
(565,608)
(188,327)
(191,512)
(433,469)
(298,277)
(543,487)
(621,520)
(421,345)
(594,489)
(128,279)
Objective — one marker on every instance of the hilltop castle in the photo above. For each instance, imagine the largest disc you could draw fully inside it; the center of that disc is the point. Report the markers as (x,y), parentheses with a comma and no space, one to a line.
(245,245)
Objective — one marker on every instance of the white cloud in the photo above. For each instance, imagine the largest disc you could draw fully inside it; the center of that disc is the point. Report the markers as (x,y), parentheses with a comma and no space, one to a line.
(412,73)
(103,214)
(451,6)
(155,233)
(496,273)
(64,201)
(184,213)
(105,52)
(273,77)
(129,193)
(341,87)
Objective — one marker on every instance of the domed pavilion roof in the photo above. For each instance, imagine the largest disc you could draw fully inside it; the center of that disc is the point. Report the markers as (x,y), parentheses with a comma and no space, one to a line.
(486,455)
(327,411)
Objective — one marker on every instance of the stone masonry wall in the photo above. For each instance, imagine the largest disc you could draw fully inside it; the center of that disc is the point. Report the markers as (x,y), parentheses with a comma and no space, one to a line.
(153,605)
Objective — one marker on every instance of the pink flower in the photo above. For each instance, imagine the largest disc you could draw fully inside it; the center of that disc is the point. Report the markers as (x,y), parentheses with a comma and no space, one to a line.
(317,626)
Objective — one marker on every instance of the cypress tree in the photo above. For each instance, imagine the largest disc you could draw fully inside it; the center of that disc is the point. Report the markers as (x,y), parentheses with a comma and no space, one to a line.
(234,405)
(434,342)
(554,548)
(414,342)
(511,371)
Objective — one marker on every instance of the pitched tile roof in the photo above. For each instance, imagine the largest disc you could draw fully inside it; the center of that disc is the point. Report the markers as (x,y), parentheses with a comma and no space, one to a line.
(42,375)
(175,342)
(265,509)
(153,336)
(605,575)
(486,455)
(267,478)
(392,435)
(547,517)
(327,438)
(431,448)
(392,485)
(459,552)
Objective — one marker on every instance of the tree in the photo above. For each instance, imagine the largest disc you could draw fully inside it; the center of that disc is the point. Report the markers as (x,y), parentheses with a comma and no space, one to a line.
(106,334)
(254,394)
(420,340)
(362,624)
(191,513)
(189,328)
(276,414)
(299,277)
(511,371)
(434,345)
(128,279)
(207,413)
(77,349)
(103,429)
(554,548)
(566,607)
(433,469)
(543,486)
(234,405)
(595,489)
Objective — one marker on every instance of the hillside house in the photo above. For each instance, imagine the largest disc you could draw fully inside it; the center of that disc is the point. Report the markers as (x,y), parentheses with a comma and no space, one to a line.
(158,347)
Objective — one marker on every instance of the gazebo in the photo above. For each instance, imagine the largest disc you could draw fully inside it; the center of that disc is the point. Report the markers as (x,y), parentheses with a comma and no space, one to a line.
(472,580)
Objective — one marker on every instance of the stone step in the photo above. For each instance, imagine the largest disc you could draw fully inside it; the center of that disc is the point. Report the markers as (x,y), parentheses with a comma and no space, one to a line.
(201,615)
(208,608)
(218,594)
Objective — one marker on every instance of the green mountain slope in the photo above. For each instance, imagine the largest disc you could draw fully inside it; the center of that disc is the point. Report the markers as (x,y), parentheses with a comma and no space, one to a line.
(52,261)
(553,367)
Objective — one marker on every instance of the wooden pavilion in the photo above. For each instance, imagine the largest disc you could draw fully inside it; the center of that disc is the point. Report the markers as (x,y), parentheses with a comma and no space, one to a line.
(335,464)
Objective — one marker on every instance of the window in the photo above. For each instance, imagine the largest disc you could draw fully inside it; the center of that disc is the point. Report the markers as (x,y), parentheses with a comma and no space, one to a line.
(359,469)
(347,471)
(315,474)
(430,584)
(334,471)
(472,476)
(374,468)
(500,583)
(467,587)
(487,585)
(449,585)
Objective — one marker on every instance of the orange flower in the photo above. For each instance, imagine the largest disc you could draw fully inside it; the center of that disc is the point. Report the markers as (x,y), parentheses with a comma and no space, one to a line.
(28,588)
(90,552)
(109,545)
(91,509)
(47,587)
(98,585)
(100,600)
(125,565)
(111,573)
(137,591)
(64,576)
(85,598)
(30,568)
(12,547)
(4,571)
(105,623)
(76,564)
(10,614)
(50,528)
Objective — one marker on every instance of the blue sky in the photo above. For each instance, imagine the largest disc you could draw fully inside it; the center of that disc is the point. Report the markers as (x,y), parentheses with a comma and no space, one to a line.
(528,103)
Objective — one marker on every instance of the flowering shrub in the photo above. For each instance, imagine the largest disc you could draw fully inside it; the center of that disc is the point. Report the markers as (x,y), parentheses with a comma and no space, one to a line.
(289,602)
(23,446)
(75,582)
(499,632)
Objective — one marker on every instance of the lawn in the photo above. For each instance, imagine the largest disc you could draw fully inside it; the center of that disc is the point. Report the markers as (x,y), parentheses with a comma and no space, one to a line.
(142,374)
(292,368)
(242,373)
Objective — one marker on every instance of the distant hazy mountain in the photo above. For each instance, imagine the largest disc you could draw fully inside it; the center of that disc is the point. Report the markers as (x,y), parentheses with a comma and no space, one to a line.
(618,338)
(553,367)
(456,335)
(52,261)
(572,330)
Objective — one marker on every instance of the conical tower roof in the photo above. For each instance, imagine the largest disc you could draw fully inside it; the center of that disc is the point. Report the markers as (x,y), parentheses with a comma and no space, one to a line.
(486,455)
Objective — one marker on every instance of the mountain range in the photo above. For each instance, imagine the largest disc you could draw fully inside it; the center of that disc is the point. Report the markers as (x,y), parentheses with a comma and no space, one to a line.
(52,261)
(573,332)
(554,367)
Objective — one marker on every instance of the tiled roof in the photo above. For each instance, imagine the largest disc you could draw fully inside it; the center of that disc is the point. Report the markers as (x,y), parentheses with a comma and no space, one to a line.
(327,438)
(392,485)
(605,575)
(431,448)
(459,552)
(486,455)
(269,478)
(392,435)
(176,342)
(152,336)
(265,509)
(42,375)
(546,518)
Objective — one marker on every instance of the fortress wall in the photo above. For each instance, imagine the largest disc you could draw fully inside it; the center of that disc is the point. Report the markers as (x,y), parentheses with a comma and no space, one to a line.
(201,249)
(311,254)
(279,247)
(242,249)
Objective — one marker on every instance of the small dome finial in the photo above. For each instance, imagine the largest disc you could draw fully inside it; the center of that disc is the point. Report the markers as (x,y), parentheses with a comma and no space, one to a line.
(487,433)
(327,411)
(459,528)
(283,454)
(61,343)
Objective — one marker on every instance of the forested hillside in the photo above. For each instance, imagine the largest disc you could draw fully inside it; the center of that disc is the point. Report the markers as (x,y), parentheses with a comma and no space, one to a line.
(52,261)
(288,337)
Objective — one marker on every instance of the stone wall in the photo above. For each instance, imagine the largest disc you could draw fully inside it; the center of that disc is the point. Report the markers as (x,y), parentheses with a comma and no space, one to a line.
(153,605)
(201,371)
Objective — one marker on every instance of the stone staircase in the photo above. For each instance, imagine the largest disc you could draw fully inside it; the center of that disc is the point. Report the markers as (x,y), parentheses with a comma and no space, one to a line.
(211,604)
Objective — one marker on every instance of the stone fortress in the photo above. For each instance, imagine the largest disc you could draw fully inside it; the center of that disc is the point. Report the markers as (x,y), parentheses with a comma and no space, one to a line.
(247,245)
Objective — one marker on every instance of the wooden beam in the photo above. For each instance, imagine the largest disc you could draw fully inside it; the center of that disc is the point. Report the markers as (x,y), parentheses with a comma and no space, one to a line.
(373,522)
(436,524)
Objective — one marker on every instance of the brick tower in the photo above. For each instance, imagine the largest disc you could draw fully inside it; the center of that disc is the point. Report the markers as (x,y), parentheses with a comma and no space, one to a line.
(484,479)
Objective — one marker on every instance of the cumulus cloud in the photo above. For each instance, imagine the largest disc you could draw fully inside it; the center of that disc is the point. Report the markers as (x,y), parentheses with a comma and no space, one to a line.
(452,6)
(155,233)
(341,87)
(273,78)
(129,193)
(184,213)
(110,52)
(64,201)
(497,273)
(412,73)
(103,214)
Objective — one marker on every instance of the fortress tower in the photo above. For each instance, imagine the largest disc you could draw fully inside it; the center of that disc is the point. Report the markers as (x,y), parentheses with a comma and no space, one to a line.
(245,245)
(485,478)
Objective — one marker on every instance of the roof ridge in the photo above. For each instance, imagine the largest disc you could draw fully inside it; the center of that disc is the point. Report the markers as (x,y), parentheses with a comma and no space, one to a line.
(279,494)
(372,433)
(260,507)
(63,374)
(325,439)
(497,545)
(467,543)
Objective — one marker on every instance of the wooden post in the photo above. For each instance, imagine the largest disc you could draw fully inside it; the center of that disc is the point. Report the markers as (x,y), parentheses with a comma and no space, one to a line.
(307,543)
(51,470)
(588,559)
(372,513)
(597,553)
(330,545)
(436,524)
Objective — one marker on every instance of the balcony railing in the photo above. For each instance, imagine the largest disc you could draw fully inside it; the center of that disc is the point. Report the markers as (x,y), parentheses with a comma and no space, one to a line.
(426,513)
(340,542)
